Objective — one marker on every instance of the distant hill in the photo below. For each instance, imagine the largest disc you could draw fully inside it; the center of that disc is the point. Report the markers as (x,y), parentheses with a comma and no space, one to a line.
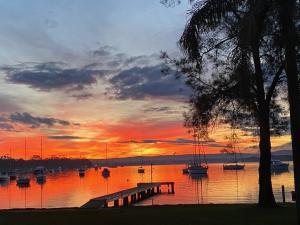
(180,159)
(283,155)
(7,164)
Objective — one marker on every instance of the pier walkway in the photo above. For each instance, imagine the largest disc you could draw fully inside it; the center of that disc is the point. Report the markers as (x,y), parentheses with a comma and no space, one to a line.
(129,196)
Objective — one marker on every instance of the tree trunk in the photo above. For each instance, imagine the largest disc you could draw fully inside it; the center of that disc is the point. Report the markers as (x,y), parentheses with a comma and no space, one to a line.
(266,196)
(287,13)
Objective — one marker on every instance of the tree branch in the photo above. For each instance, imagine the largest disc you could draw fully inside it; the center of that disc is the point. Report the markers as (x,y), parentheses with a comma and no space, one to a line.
(274,83)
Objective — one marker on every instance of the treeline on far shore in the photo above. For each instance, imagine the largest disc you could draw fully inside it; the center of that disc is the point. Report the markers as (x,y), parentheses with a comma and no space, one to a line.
(64,163)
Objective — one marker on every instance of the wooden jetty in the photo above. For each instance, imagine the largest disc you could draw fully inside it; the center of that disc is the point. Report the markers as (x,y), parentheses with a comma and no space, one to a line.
(129,196)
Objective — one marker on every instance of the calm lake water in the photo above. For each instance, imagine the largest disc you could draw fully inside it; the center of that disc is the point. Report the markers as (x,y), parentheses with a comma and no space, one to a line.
(67,189)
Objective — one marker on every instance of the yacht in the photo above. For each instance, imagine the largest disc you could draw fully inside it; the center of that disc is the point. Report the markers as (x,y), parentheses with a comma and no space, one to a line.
(12,175)
(39,170)
(81,172)
(199,166)
(105,172)
(233,166)
(279,166)
(23,181)
(41,178)
(234,157)
(4,177)
(141,170)
(200,169)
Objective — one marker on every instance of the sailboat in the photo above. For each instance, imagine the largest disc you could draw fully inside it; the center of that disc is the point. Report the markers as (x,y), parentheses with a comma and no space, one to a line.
(40,171)
(23,181)
(12,173)
(105,171)
(141,168)
(233,162)
(4,177)
(198,167)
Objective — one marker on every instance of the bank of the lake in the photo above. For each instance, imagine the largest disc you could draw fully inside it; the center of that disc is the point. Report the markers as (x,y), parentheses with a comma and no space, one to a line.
(222,214)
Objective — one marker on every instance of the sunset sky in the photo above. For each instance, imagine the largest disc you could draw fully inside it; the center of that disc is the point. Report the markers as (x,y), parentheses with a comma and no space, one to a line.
(85,73)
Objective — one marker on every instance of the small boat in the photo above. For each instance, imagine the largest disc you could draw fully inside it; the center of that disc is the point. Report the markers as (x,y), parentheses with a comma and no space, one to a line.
(23,181)
(199,165)
(233,166)
(81,172)
(185,170)
(41,178)
(12,175)
(105,172)
(234,157)
(4,177)
(58,169)
(278,166)
(39,170)
(141,170)
(198,169)
(52,171)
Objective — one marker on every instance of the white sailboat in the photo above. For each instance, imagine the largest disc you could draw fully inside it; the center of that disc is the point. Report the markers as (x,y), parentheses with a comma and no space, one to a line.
(105,171)
(141,168)
(12,173)
(4,177)
(81,172)
(23,180)
(232,163)
(199,165)
(40,171)
(278,166)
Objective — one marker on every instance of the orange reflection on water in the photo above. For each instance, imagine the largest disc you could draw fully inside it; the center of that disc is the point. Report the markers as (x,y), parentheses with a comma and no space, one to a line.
(67,189)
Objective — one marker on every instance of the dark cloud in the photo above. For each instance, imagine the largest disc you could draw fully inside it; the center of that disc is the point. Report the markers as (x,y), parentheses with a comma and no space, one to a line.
(64,137)
(82,96)
(6,126)
(141,83)
(34,121)
(154,141)
(52,76)
(103,51)
(161,109)
(178,141)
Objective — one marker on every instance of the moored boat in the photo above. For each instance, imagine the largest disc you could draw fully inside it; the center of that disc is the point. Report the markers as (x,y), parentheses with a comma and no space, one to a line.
(105,172)
(41,178)
(198,169)
(39,170)
(4,177)
(81,172)
(233,166)
(12,175)
(23,181)
(279,166)
(141,170)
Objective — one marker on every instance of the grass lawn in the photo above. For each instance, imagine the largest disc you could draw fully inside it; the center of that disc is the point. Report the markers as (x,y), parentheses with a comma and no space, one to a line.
(241,214)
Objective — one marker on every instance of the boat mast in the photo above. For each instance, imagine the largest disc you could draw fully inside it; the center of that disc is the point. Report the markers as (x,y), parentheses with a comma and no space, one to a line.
(25,150)
(106,153)
(41,148)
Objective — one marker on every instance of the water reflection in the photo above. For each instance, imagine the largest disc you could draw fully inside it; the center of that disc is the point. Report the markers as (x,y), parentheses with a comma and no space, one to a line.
(67,189)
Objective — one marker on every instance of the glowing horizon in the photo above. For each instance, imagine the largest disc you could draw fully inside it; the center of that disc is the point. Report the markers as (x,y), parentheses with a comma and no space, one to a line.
(83,81)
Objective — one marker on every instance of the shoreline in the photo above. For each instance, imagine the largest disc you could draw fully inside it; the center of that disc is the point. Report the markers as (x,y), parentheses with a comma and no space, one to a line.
(209,214)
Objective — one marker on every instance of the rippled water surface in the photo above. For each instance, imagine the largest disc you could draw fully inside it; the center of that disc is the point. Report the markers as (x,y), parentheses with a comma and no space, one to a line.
(67,189)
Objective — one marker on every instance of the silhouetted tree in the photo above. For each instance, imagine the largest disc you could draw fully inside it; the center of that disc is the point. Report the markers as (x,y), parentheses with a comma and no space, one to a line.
(235,42)
(288,11)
